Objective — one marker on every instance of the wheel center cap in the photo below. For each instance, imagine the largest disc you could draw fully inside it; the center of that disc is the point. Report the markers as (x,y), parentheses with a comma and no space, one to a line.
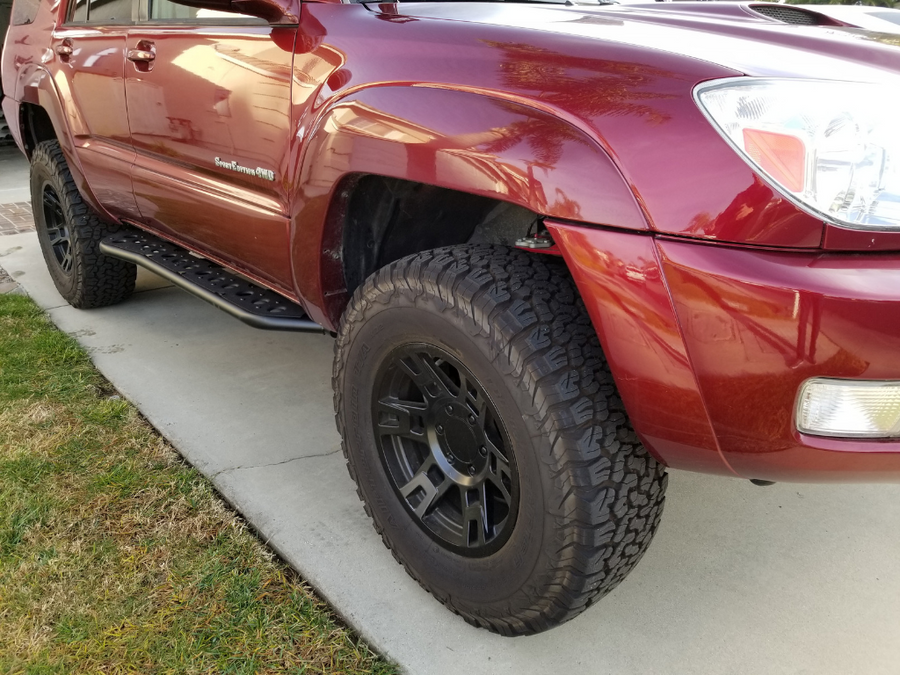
(460,441)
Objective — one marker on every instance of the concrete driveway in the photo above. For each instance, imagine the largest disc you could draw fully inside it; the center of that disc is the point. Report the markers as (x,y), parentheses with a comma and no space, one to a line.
(13,176)
(740,579)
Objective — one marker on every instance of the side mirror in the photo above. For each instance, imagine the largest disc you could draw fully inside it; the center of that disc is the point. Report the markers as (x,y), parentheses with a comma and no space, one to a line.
(278,12)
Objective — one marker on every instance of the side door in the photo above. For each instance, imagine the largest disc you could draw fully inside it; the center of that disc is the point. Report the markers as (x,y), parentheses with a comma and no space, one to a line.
(209,103)
(89,52)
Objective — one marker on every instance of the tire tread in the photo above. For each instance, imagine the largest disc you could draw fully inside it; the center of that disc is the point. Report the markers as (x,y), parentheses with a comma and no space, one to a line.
(612,490)
(99,280)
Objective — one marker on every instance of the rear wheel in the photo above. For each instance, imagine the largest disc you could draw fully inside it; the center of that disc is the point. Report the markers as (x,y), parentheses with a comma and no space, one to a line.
(69,232)
(480,421)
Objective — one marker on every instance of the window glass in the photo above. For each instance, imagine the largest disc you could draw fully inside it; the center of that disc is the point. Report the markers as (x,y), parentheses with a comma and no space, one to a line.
(78,10)
(164,10)
(106,11)
(24,11)
(890,15)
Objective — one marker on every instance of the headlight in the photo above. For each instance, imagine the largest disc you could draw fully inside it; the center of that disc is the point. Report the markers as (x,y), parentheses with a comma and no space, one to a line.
(834,147)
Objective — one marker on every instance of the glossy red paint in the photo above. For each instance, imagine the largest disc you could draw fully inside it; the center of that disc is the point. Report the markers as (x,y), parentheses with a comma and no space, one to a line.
(11,114)
(630,95)
(710,383)
(393,131)
(582,115)
(842,239)
(411,92)
(621,280)
(28,68)
(89,75)
(237,110)
(757,324)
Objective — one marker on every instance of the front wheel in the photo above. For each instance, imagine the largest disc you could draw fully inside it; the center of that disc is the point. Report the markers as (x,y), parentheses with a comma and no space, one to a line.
(482,426)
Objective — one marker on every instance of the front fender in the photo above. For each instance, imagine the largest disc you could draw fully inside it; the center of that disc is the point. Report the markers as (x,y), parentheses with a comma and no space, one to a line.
(620,277)
(460,140)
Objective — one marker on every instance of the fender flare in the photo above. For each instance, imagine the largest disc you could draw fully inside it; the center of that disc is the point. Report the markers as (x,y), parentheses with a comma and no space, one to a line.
(628,298)
(457,139)
(39,89)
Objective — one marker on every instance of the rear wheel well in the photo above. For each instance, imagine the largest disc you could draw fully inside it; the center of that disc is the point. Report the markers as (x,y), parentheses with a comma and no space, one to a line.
(36,126)
(385,219)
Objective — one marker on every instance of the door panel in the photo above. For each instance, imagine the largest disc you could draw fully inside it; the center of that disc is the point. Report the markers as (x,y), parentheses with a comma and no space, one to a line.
(91,74)
(210,121)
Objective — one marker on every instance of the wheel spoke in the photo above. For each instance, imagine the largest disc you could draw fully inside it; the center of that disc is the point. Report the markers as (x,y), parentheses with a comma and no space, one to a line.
(57,229)
(463,394)
(498,469)
(421,481)
(403,411)
(428,377)
(498,483)
(470,400)
(481,408)
(475,525)
(57,235)
(52,201)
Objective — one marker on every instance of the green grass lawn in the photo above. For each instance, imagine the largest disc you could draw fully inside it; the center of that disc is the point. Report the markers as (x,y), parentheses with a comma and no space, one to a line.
(115,555)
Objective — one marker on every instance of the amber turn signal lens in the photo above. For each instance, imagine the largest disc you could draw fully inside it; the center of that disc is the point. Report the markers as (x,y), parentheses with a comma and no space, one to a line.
(780,155)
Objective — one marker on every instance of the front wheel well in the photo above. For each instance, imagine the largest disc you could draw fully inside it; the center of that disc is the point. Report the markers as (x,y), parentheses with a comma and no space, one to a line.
(384,219)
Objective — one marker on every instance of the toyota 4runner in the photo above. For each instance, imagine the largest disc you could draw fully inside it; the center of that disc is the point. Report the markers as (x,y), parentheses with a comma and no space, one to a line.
(562,246)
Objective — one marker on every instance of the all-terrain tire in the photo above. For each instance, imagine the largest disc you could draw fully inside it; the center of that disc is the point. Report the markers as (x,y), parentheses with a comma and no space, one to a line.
(590,495)
(70,231)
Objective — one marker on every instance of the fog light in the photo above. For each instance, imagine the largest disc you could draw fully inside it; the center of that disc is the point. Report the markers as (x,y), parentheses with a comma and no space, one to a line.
(849,408)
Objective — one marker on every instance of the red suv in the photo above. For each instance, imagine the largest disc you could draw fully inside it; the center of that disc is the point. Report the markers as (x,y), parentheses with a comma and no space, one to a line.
(562,246)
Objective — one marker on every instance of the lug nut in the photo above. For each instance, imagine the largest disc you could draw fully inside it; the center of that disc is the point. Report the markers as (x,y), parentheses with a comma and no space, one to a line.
(482,451)
(471,470)
(449,409)
(471,419)
(440,428)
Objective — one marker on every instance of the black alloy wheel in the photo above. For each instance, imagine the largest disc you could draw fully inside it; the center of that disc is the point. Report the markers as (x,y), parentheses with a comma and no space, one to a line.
(69,232)
(445,450)
(57,229)
(482,426)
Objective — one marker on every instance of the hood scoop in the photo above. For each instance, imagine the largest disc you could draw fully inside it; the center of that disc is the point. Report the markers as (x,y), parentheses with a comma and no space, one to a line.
(788,14)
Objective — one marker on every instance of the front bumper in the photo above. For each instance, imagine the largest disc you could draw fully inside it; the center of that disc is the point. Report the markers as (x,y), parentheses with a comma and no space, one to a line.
(709,345)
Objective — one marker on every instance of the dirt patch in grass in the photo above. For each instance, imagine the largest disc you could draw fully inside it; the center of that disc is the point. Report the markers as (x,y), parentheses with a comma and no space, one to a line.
(115,556)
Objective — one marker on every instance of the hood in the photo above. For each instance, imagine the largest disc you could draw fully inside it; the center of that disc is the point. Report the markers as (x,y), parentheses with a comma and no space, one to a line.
(751,38)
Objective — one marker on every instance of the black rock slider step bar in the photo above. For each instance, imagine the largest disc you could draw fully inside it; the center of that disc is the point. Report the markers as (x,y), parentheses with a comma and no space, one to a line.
(252,304)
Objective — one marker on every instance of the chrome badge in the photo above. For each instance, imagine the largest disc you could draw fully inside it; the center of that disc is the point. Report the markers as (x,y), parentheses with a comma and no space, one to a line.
(259,172)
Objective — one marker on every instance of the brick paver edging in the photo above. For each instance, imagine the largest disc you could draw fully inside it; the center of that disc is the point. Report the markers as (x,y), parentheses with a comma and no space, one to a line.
(16,218)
